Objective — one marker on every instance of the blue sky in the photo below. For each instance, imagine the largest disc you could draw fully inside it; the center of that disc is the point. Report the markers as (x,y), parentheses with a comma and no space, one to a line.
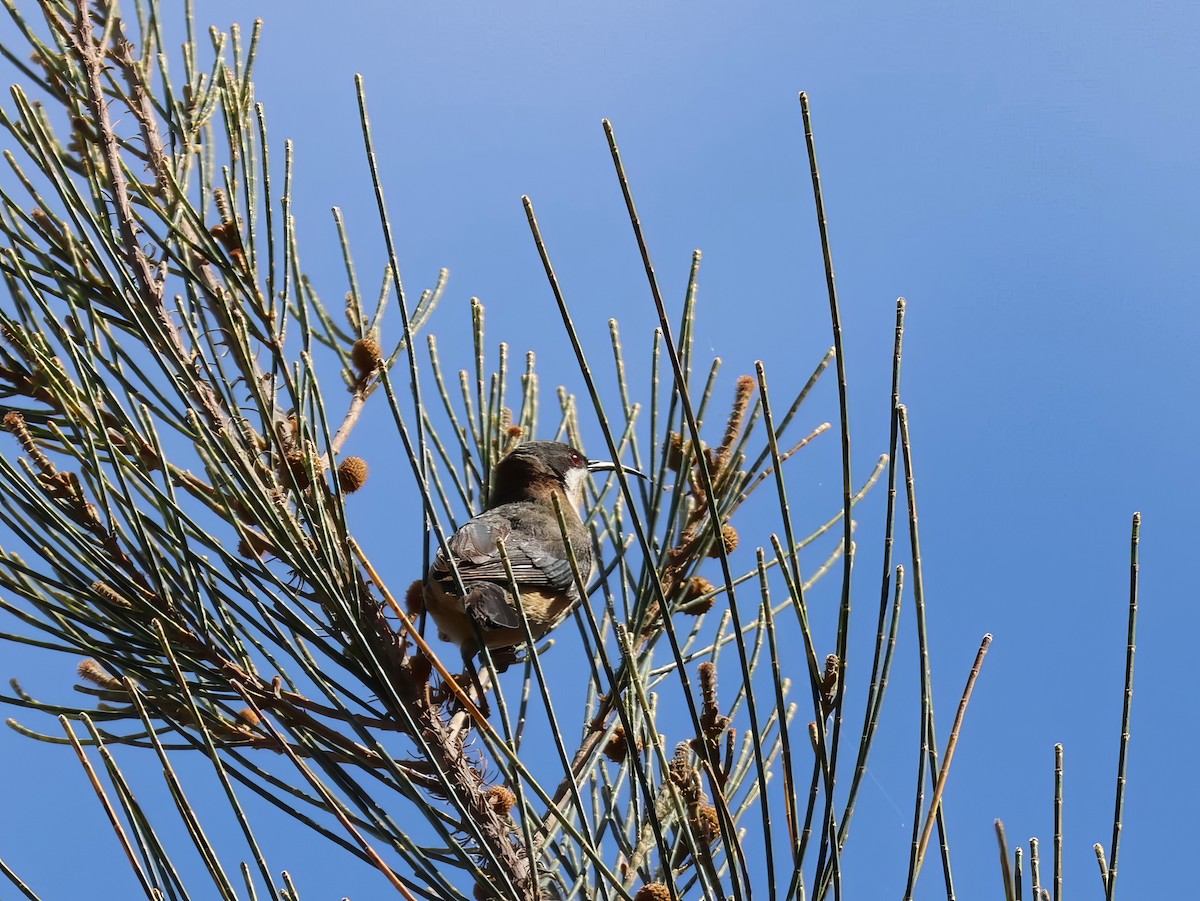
(1024,173)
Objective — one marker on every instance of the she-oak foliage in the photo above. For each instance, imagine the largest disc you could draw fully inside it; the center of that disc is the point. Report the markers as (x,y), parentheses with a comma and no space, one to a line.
(173,493)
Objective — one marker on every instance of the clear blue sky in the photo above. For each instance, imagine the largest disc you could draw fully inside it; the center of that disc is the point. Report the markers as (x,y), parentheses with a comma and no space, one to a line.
(1024,173)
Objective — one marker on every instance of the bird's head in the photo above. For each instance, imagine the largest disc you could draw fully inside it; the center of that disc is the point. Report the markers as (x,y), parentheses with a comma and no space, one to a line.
(535,469)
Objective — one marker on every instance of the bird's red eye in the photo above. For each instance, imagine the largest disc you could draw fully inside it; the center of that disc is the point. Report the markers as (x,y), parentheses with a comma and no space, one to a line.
(576,460)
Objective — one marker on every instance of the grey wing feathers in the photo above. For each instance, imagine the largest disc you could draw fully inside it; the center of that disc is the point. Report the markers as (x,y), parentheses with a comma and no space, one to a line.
(535,563)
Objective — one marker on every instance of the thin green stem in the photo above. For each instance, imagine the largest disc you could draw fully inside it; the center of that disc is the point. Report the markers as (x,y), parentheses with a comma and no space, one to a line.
(1126,709)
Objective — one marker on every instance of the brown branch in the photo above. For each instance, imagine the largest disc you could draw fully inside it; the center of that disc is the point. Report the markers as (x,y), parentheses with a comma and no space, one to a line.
(139,104)
(349,421)
(149,285)
(445,740)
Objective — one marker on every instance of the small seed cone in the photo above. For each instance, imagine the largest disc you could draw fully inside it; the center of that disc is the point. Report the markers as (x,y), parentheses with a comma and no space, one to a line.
(366,354)
(91,671)
(674,451)
(617,748)
(419,668)
(297,464)
(698,587)
(729,538)
(501,799)
(706,823)
(352,474)
(829,684)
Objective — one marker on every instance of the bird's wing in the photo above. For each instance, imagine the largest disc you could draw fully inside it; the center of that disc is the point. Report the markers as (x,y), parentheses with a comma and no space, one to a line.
(535,563)
(538,565)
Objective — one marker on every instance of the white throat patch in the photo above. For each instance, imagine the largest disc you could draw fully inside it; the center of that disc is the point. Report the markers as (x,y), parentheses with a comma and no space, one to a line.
(573,485)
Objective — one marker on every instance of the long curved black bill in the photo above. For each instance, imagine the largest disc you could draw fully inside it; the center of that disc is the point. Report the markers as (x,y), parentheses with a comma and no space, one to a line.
(609,466)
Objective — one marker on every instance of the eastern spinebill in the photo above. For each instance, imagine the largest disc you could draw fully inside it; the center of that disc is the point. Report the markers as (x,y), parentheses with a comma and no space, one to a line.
(521,514)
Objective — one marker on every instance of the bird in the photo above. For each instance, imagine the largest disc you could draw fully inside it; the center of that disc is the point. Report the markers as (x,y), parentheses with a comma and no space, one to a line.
(520,514)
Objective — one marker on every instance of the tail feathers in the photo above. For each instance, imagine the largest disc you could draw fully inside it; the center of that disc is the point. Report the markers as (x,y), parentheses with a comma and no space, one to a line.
(490,606)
